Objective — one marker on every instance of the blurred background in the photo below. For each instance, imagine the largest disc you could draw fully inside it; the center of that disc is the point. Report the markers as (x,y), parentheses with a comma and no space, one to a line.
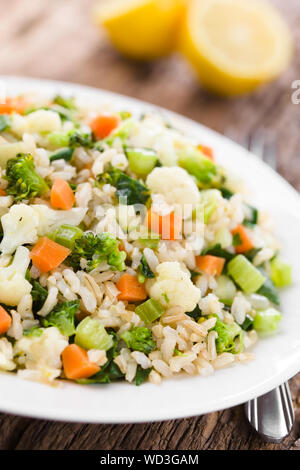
(58,39)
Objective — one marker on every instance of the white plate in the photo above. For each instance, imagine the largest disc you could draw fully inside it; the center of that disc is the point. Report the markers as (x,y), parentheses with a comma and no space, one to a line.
(277,357)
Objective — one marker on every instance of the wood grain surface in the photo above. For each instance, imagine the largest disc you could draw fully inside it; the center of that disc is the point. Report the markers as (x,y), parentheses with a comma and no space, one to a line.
(55,39)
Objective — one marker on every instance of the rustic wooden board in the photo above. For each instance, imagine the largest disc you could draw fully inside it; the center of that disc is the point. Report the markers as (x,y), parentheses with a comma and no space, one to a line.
(56,40)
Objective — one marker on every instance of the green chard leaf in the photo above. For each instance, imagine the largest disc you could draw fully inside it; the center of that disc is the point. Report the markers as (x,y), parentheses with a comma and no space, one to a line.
(129,190)
(141,375)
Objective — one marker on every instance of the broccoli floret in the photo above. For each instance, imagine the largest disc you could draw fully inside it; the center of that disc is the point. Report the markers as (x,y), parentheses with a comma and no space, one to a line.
(228,334)
(139,339)
(23,181)
(63,317)
(129,190)
(96,249)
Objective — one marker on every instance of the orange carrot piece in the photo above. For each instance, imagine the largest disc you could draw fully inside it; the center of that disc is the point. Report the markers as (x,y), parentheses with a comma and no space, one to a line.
(77,364)
(2,192)
(168,226)
(208,151)
(103,125)
(210,264)
(5,321)
(11,105)
(246,244)
(61,195)
(130,289)
(47,254)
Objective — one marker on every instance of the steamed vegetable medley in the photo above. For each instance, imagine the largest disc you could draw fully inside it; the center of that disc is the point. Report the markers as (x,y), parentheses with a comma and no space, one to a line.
(127,252)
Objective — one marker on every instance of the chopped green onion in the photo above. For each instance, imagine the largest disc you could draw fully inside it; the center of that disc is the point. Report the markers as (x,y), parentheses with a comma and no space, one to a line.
(245,274)
(91,334)
(141,160)
(281,273)
(266,321)
(62,154)
(66,235)
(149,311)
(225,290)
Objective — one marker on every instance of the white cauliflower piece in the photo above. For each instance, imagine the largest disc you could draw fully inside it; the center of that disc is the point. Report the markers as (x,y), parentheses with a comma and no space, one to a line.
(13,285)
(173,286)
(19,227)
(177,187)
(43,352)
(6,355)
(43,121)
(50,219)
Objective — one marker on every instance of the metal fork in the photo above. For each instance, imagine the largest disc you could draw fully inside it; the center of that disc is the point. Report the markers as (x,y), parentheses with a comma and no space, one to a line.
(271,414)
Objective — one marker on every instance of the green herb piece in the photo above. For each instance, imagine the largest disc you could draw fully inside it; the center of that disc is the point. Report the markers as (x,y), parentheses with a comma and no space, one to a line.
(63,317)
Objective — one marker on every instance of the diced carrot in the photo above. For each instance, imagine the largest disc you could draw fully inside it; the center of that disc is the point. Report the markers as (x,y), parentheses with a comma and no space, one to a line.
(209,264)
(103,125)
(47,254)
(246,244)
(130,289)
(5,321)
(2,192)
(61,195)
(77,364)
(208,151)
(11,105)
(168,226)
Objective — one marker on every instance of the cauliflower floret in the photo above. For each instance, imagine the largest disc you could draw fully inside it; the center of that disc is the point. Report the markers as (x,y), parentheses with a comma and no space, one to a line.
(43,121)
(19,227)
(173,286)
(43,352)
(6,355)
(50,219)
(177,186)
(13,285)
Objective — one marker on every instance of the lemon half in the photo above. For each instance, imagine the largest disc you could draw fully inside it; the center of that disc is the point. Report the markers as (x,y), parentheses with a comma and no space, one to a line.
(141,29)
(235,45)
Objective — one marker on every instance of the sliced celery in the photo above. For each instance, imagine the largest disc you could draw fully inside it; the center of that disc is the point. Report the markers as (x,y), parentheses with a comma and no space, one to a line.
(141,160)
(245,274)
(149,311)
(91,334)
(66,235)
(207,173)
(223,237)
(151,242)
(266,321)
(225,290)
(210,202)
(281,273)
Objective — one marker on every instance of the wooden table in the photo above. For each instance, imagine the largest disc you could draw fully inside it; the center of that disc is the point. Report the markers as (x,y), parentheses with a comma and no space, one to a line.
(56,40)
